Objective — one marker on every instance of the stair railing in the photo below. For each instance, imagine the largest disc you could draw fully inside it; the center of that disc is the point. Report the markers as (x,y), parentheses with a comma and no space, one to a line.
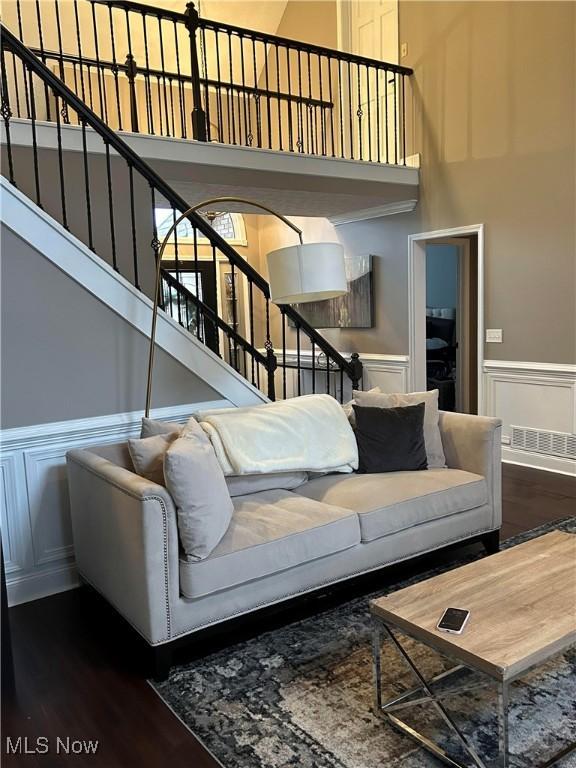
(212,81)
(89,179)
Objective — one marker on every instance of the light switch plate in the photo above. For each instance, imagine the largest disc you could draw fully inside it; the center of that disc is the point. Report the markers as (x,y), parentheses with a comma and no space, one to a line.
(494,335)
(403,50)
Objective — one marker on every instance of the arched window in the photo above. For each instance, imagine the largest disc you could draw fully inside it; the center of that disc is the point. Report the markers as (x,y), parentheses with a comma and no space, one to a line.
(230,226)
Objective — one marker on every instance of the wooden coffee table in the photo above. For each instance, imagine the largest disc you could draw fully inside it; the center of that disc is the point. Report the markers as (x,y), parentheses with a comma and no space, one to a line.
(522,604)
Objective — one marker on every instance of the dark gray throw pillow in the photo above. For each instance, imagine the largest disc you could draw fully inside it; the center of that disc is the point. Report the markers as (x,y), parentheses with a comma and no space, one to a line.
(390,439)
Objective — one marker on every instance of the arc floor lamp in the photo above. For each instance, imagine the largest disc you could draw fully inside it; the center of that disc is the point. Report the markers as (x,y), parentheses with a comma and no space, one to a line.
(297,273)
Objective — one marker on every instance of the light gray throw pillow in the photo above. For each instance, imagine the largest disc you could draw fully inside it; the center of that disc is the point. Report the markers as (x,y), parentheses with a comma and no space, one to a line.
(152,427)
(196,482)
(432,437)
(148,455)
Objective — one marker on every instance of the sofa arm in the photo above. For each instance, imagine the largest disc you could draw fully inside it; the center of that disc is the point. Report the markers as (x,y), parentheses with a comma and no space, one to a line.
(125,541)
(474,443)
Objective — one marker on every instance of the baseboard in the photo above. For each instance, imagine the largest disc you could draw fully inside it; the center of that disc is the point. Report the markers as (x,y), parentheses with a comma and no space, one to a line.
(539,461)
(35,586)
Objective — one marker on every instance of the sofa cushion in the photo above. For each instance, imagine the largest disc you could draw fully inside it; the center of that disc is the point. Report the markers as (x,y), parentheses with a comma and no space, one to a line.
(391,502)
(270,532)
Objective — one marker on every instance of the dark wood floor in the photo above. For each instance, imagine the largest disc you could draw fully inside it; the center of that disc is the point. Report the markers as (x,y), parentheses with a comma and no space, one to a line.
(80,672)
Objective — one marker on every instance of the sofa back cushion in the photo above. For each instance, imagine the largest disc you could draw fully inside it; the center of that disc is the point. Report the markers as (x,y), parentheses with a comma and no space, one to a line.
(432,438)
(148,455)
(196,482)
(151,427)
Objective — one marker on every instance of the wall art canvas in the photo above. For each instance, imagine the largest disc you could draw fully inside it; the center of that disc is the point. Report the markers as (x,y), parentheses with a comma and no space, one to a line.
(354,309)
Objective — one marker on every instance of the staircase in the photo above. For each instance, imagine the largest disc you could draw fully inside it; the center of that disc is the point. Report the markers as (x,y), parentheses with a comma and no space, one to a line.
(105,195)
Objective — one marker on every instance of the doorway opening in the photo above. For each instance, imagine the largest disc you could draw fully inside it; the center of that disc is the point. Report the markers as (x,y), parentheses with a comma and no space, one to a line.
(446,316)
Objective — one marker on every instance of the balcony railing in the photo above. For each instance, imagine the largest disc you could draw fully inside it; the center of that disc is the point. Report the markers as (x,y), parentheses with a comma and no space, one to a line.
(146,69)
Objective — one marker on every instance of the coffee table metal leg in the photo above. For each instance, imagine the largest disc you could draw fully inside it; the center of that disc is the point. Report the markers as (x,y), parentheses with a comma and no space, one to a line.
(377,665)
(503,725)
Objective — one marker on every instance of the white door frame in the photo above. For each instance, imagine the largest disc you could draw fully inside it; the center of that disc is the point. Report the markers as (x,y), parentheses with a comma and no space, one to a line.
(417,305)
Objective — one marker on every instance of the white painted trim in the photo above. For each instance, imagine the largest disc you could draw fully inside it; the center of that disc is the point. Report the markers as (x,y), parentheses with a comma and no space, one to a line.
(75,259)
(388,209)
(417,304)
(539,461)
(558,370)
(97,427)
(214,154)
(32,460)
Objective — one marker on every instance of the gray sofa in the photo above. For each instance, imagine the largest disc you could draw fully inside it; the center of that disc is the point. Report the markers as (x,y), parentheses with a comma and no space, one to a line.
(281,543)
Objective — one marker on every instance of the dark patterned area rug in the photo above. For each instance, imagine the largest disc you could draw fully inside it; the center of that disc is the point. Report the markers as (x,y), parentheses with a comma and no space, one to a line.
(301,696)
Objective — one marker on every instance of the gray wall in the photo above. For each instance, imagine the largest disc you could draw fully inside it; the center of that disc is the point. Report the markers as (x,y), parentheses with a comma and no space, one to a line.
(492,114)
(65,355)
(441,275)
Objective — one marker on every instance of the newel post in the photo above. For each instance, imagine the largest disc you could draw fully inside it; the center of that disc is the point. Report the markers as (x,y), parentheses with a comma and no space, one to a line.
(131,72)
(198,115)
(355,370)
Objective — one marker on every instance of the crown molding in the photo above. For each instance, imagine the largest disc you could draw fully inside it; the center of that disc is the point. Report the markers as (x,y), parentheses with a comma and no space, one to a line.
(388,209)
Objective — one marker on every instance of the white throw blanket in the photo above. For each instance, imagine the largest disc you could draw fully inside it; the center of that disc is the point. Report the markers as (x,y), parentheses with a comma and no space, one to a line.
(309,433)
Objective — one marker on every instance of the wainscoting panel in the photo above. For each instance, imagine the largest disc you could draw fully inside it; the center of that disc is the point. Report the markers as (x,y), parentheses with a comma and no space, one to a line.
(35,512)
(538,396)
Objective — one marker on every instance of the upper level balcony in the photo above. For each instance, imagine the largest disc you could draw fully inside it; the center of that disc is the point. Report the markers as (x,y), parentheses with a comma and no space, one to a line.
(321,130)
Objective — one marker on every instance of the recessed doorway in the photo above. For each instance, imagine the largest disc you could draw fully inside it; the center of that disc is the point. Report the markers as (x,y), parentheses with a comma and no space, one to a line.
(446,316)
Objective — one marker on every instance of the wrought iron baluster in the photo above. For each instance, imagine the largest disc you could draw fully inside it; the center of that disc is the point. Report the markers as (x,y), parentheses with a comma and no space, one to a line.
(298,362)
(279,100)
(133,226)
(163,69)
(87,185)
(206,88)
(24,75)
(115,67)
(60,161)
(219,110)
(34,140)
(313,367)
(247,118)
(176,257)
(283,354)
(231,91)
(99,72)
(289,105)
(79,45)
(197,293)
(6,115)
(395,123)
(378,139)
(386,117)
(42,55)
(369,115)
(267,81)
(359,113)
(111,206)
(403,81)
(147,82)
(180,82)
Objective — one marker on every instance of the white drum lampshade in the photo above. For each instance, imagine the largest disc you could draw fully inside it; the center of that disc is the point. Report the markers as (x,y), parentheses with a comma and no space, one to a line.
(307,272)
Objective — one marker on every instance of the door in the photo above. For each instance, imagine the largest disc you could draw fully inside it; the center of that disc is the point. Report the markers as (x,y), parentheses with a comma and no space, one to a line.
(451,332)
(199,278)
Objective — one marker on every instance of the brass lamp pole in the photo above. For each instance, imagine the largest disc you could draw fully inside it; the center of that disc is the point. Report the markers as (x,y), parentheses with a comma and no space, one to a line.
(193,209)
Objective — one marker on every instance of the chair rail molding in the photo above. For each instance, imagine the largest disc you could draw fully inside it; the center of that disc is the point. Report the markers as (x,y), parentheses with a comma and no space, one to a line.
(533,395)
(34,505)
